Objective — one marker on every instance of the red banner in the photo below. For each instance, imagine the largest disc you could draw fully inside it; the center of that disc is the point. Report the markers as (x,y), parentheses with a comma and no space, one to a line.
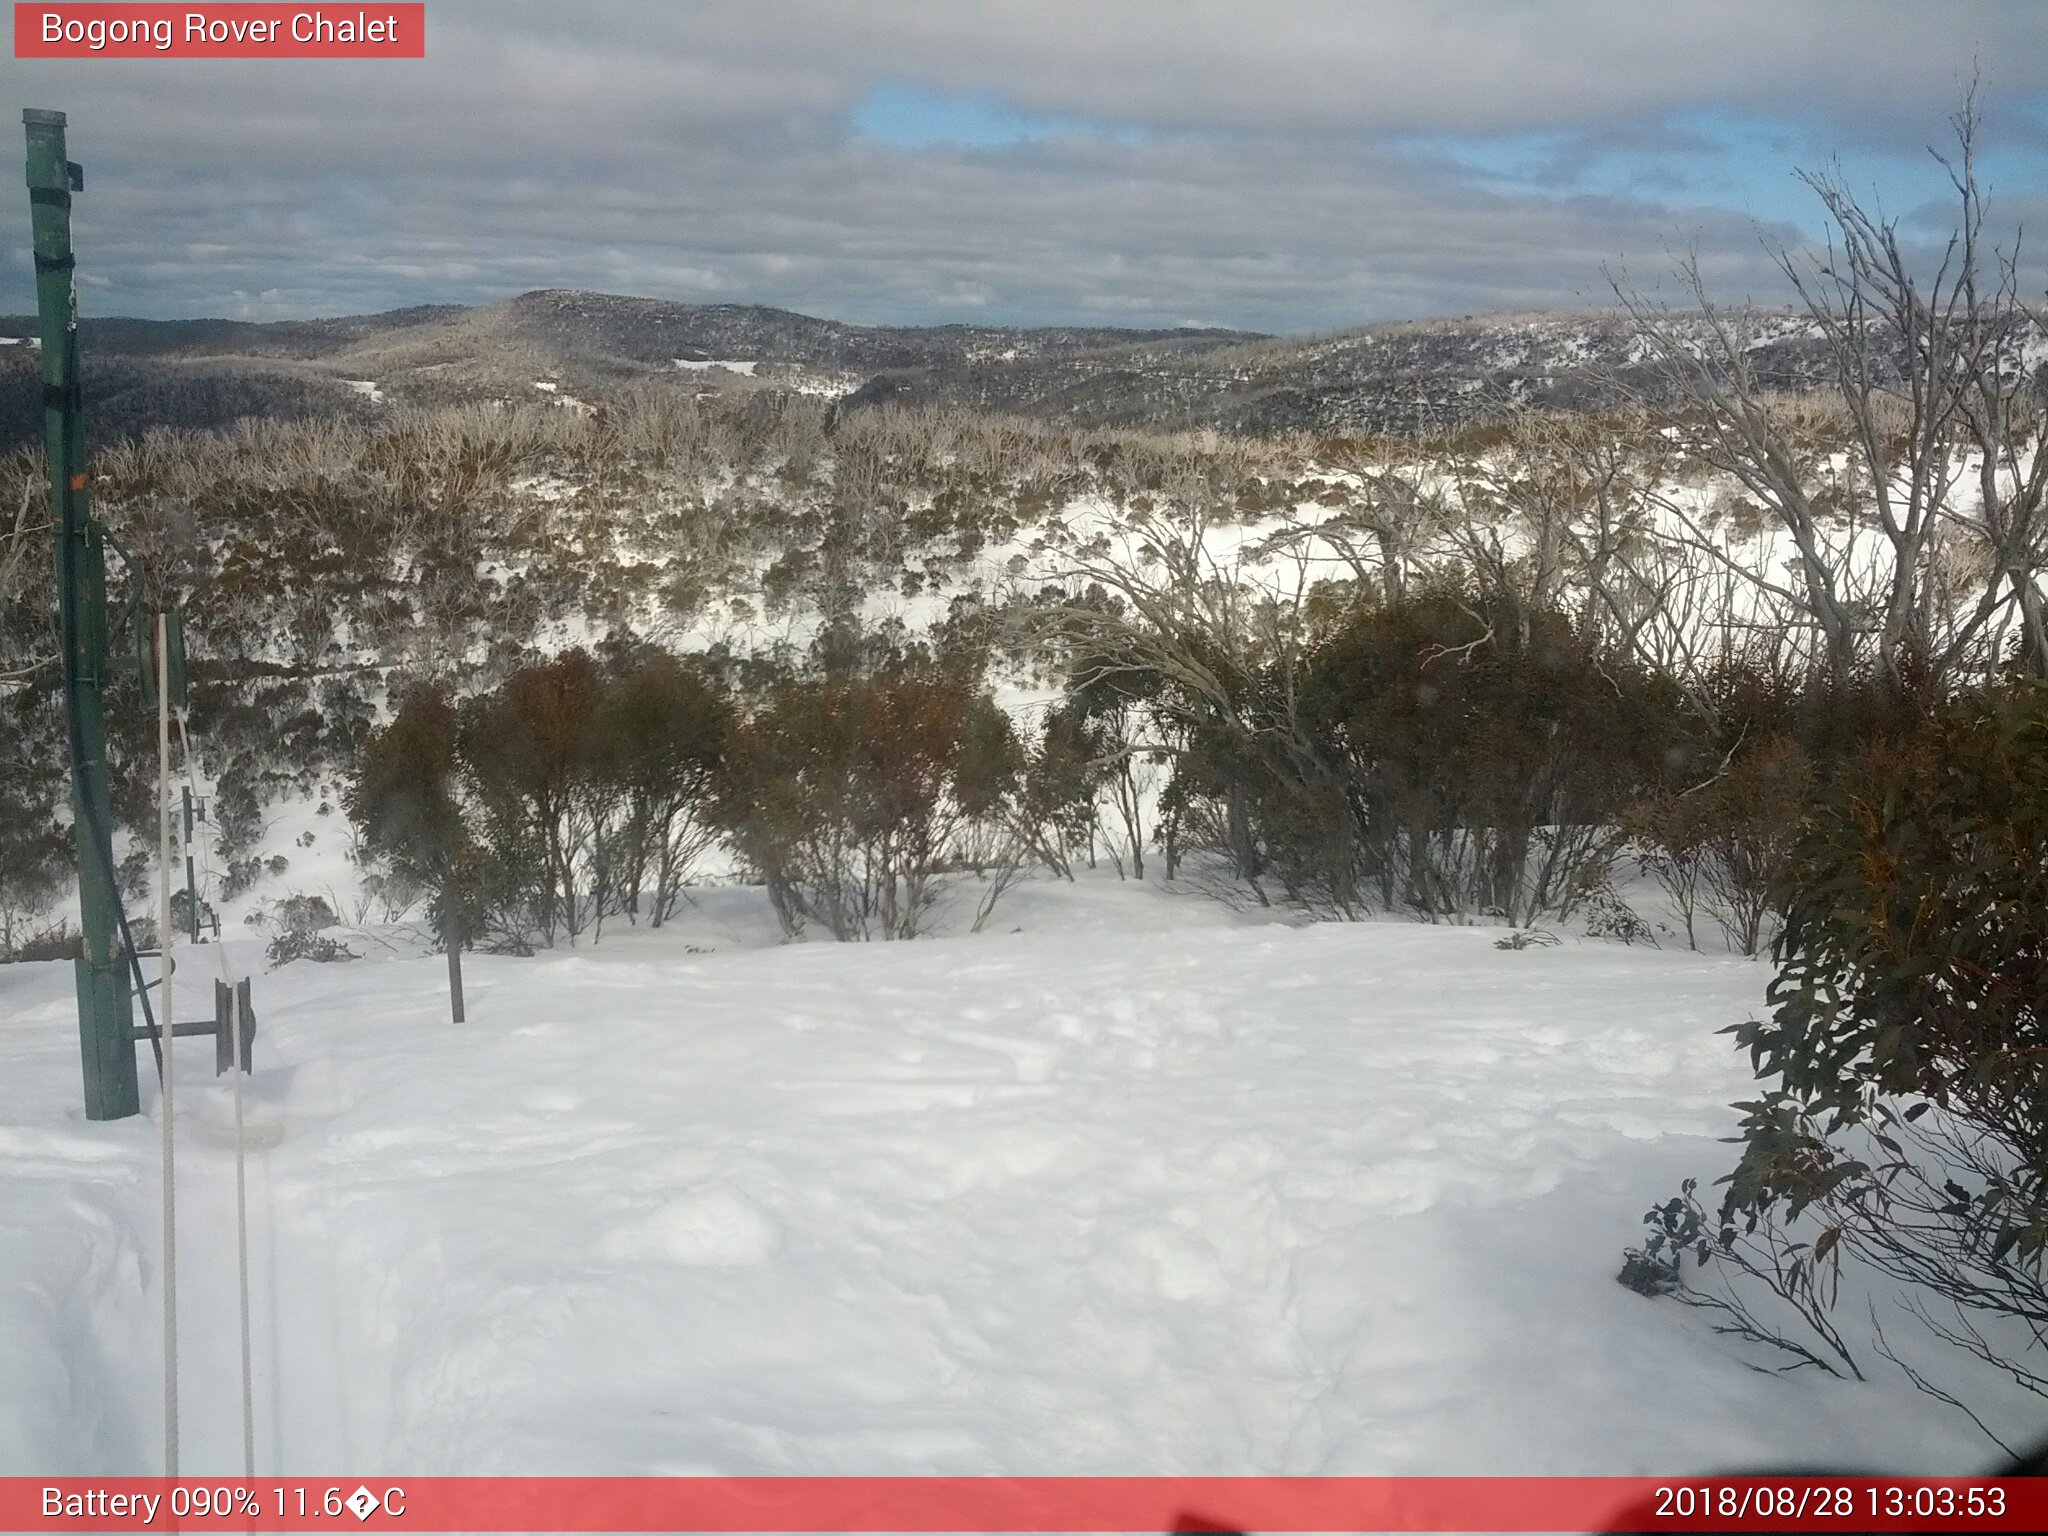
(1161,1504)
(359,31)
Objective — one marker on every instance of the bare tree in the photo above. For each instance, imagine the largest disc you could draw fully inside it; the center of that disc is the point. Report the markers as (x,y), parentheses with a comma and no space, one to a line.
(16,568)
(1216,644)
(1378,519)
(1924,359)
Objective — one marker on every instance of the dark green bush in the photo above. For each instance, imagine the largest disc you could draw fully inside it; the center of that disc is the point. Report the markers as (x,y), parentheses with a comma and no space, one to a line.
(1724,845)
(1913,965)
(1904,1121)
(849,793)
(1431,757)
(661,731)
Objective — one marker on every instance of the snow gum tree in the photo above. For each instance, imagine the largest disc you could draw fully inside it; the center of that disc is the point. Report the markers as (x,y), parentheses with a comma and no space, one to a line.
(848,793)
(405,799)
(661,732)
(530,753)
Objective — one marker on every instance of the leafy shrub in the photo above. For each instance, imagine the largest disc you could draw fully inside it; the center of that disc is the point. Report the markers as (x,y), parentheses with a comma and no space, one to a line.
(849,793)
(1914,961)
(298,924)
(182,913)
(301,913)
(578,788)
(1608,916)
(1905,1121)
(529,754)
(56,942)
(1725,845)
(35,843)
(292,944)
(1056,793)
(661,737)
(1447,760)
(405,802)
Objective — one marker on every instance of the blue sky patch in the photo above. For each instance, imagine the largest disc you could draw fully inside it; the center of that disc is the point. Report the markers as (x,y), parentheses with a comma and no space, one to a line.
(913,118)
(1723,158)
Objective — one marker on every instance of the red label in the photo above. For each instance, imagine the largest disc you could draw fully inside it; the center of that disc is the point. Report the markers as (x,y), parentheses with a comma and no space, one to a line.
(360,31)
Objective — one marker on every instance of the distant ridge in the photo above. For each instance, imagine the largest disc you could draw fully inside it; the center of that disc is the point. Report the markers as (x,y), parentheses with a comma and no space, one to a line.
(1393,377)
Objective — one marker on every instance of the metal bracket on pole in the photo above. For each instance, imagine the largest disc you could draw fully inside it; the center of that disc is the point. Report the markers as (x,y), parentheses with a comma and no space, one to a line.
(227,1015)
(221,1027)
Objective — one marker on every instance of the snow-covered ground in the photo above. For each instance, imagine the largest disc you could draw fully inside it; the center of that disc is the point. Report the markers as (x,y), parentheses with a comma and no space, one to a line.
(1131,1183)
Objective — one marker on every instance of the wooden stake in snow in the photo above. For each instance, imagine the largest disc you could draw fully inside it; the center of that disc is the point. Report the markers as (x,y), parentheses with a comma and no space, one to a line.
(165,1013)
(239,1062)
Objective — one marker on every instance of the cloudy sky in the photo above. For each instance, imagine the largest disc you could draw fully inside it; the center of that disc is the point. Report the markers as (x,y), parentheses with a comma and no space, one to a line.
(1281,165)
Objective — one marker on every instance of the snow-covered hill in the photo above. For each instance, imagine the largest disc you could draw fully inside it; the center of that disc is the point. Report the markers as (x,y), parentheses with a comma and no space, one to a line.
(1395,377)
(140,374)
(1408,377)
(1137,1185)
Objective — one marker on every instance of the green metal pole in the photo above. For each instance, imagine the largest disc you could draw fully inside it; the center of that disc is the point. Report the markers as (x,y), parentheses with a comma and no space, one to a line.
(105,1007)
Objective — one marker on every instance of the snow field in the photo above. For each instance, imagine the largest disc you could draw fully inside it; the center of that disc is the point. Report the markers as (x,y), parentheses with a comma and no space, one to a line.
(1145,1187)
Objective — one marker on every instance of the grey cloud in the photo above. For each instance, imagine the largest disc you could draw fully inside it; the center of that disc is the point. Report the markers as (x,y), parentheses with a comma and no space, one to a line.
(1473,66)
(703,152)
